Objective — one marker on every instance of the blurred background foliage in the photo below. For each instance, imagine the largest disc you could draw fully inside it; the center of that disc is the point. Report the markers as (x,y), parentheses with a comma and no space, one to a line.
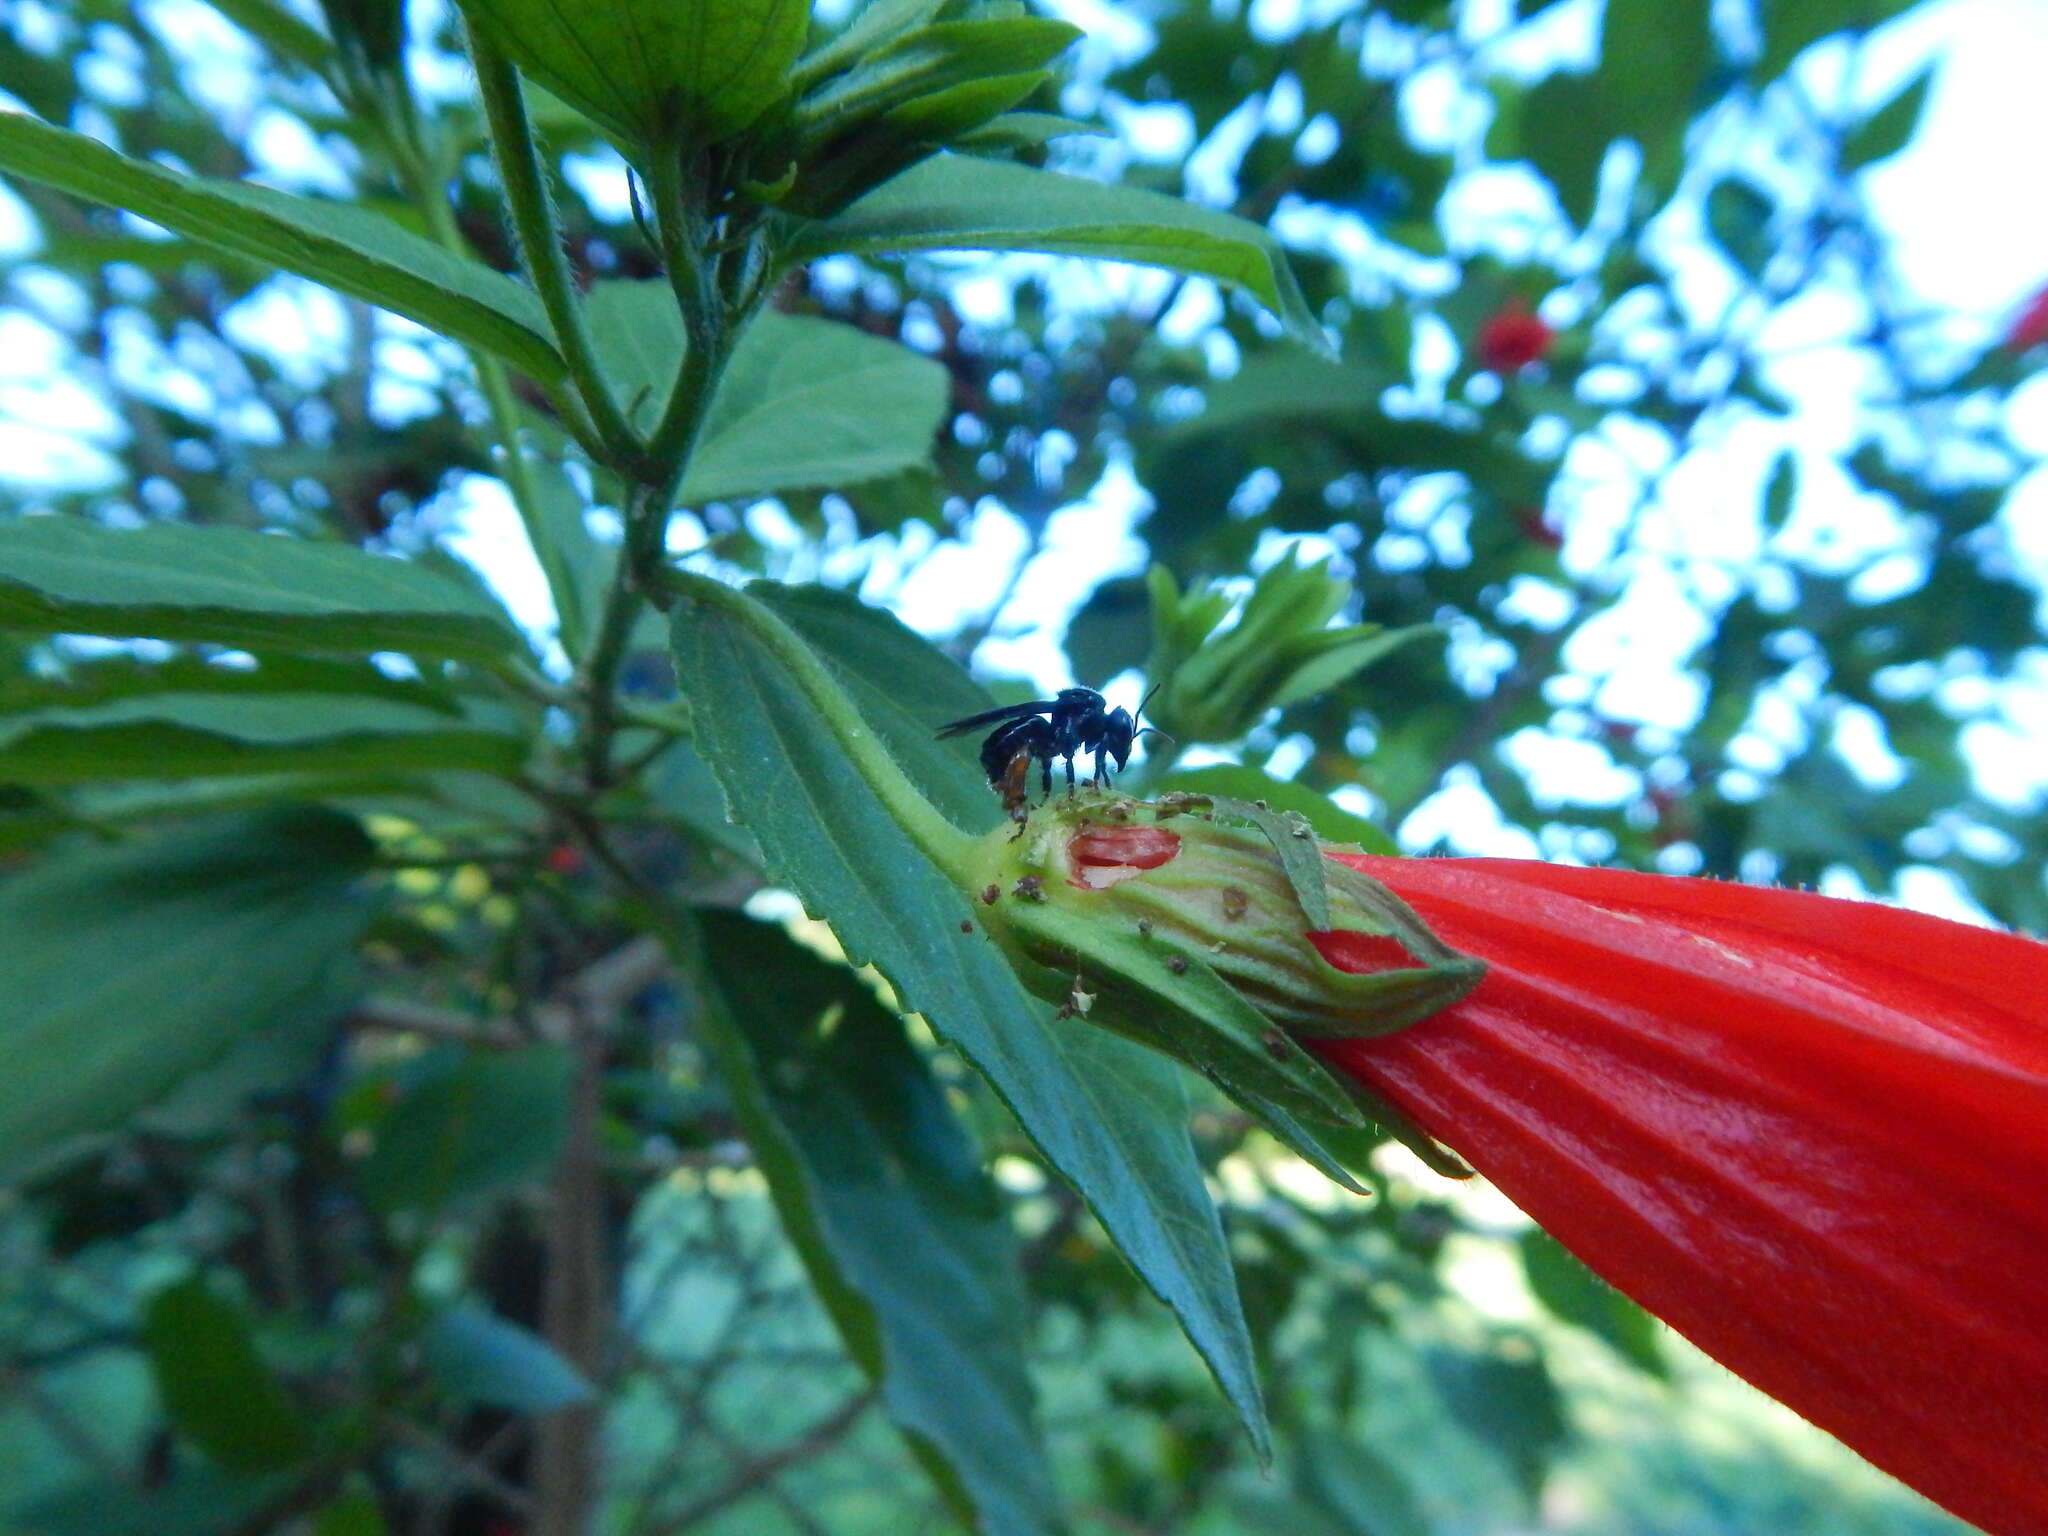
(1652,517)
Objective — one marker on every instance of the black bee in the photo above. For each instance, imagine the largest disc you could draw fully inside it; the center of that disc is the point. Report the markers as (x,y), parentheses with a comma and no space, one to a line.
(1040,730)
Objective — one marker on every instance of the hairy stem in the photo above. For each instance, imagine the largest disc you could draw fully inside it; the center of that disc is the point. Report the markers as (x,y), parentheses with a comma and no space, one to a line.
(936,837)
(524,179)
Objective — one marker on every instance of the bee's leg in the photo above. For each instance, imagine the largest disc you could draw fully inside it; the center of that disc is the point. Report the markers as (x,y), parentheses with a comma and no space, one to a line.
(1045,777)
(1070,774)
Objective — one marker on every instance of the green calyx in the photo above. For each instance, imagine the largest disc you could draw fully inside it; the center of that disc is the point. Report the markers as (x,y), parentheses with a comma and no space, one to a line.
(1206,954)
(1233,897)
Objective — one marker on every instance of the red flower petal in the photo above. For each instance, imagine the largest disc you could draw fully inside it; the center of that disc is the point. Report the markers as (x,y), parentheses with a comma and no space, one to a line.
(1101,856)
(1810,1134)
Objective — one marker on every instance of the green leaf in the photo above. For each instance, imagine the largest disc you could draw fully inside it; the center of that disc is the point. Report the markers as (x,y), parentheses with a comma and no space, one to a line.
(1108,1114)
(471,1124)
(1575,1294)
(1506,1401)
(1366,1495)
(1341,402)
(355,1513)
(804,402)
(232,587)
(131,969)
(1780,491)
(171,735)
(1792,26)
(1740,218)
(654,71)
(1559,127)
(1025,130)
(808,402)
(874,654)
(479,1357)
(1654,57)
(954,202)
(959,109)
(883,1196)
(279,30)
(930,61)
(349,249)
(876,25)
(587,563)
(1332,822)
(638,335)
(93,680)
(1891,127)
(215,1388)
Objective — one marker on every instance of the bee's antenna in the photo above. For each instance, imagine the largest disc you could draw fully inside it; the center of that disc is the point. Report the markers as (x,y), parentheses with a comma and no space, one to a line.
(1139,713)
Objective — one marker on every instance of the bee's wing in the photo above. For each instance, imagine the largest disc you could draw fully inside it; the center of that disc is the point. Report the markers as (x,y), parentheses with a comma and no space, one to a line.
(991,716)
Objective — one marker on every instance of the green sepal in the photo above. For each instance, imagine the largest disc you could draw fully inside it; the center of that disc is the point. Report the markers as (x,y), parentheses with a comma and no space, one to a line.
(942,116)
(1024,130)
(872,30)
(1437,1157)
(1190,1012)
(929,59)
(1389,1000)
(1294,840)
(1297,1136)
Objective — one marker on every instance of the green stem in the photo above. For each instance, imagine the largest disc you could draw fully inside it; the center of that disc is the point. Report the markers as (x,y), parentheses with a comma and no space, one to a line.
(524,178)
(598,682)
(710,322)
(415,162)
(937,838)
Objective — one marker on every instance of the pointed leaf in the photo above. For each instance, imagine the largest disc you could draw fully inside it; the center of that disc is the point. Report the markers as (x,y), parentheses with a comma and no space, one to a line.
(881,1193)
(954,202)
(804,403)
(479,1357)
(180,735)
(130,969)
(814,403)
(260,591)
(214,1386)
(1889,129)
(1108,1114)
(651,70)
(470,1125)
(349,249)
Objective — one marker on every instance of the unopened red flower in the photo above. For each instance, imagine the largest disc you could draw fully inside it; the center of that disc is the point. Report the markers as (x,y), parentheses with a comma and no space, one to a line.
(1513,337)
(1810,1134)
(2030,329)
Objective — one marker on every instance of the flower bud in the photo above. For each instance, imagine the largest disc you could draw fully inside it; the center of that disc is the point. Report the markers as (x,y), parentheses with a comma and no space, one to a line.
(1218,683)
(1513,337)
(1180,926)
